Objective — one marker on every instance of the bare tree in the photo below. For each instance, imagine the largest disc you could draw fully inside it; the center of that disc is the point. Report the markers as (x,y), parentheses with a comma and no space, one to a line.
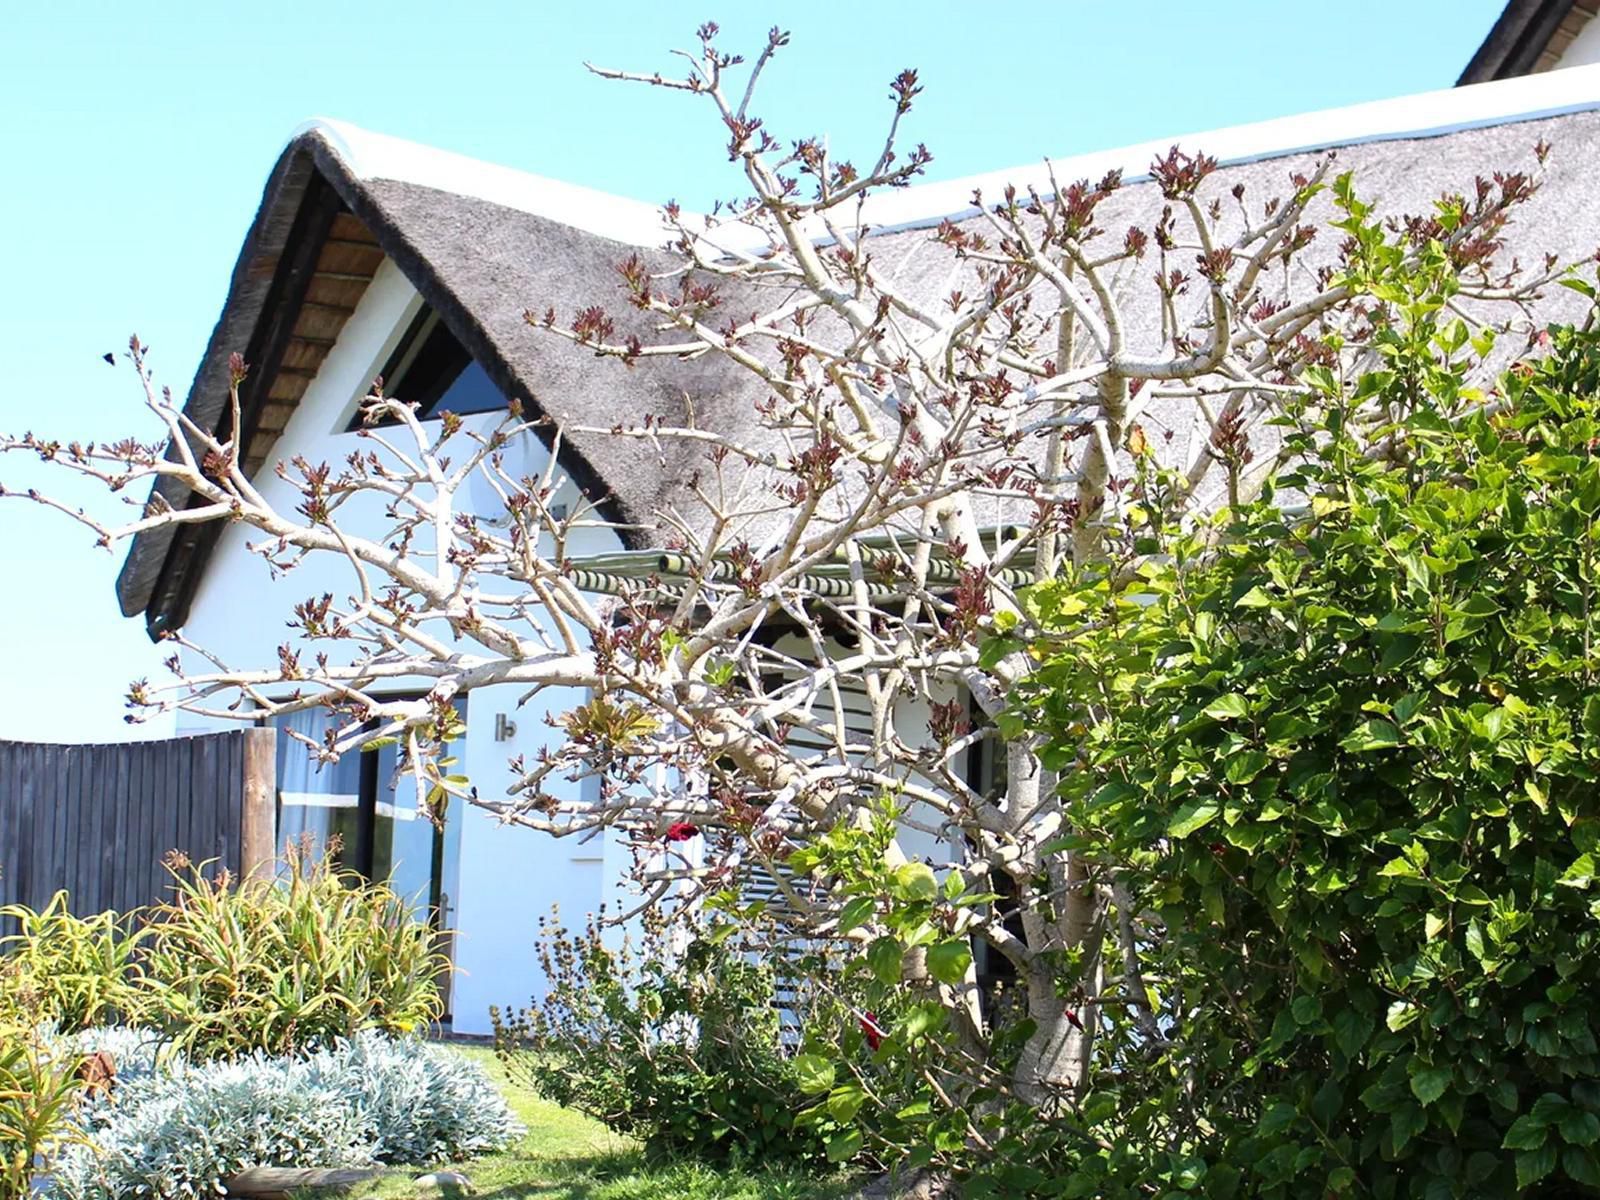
(920,455)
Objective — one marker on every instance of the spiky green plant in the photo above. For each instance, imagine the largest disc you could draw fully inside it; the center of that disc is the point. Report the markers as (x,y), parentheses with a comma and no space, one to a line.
(38,1088)
(232,966)
(79,967)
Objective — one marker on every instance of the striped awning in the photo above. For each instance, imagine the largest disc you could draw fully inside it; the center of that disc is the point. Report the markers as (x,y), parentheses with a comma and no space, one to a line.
(669,574)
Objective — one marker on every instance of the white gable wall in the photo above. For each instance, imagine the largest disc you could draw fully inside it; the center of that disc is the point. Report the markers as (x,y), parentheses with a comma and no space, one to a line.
(504,878)
(1585,48)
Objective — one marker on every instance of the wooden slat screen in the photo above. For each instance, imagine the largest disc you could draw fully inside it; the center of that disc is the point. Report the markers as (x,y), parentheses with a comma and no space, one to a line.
(96,820)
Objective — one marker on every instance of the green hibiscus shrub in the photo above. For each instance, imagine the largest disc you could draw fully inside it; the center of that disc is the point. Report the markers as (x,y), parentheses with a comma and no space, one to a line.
(1336,751)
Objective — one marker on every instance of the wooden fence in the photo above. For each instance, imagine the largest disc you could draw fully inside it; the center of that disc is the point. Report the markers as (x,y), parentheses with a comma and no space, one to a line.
(97,820)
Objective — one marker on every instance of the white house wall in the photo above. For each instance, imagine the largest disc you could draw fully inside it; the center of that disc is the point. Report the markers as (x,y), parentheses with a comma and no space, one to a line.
(502,878)
(1585,48)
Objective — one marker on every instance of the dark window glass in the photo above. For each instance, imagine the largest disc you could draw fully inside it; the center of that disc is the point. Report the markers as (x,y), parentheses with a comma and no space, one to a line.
(431,369)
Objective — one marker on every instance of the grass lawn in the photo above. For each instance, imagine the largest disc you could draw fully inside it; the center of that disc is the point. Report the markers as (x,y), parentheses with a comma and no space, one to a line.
(566,1156)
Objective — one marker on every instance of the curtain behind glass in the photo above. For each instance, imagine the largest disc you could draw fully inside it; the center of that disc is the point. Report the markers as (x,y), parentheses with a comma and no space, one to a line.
(316,801)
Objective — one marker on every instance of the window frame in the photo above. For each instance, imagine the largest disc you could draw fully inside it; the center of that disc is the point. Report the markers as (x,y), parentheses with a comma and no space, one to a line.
(420,328)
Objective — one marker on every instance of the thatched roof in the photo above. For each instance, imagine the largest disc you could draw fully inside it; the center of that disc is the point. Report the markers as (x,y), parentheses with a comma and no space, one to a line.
(483,244)
(1528,36)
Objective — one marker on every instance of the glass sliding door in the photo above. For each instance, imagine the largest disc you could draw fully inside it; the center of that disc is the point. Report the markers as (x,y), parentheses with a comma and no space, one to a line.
(407,848)
(363,814)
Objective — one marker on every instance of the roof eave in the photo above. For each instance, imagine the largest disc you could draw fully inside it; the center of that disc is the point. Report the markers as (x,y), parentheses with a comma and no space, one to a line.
(248,292)
(151,581)
(1516,40)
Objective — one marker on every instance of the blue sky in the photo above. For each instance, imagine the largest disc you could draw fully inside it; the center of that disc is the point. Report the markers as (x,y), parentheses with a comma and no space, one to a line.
(138,139)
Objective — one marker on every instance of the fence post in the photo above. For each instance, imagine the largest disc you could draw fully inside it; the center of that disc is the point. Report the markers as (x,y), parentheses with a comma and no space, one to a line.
(258,820)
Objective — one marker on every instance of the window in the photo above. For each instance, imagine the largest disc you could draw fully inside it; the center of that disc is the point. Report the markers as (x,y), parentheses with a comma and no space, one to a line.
(431,369)
(373,813)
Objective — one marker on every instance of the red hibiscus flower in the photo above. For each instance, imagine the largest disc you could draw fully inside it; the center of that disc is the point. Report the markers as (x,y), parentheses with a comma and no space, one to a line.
(869,1028)
(682,831)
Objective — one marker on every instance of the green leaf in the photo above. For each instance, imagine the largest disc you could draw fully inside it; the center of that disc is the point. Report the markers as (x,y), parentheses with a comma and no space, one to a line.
(884,957)
(1429,1083)
(1535,1165)
(1580,1165)
(1405,1123)
(1536,794)
(993,651)
(856,913)
(1278,1118)
(948,961)
(924,1018)
(1527,1132)
(1245,766)
(1402,1013)
(1401,649)
(814,1073)
(1372,735)
(845,1101)
(1579,1128)
(1475,943)
(1222,1181)
(1254,598)
(1113,793)
(1351,1029)
(1400,868)
(1580,874)
(844,1145)
(1192,817)
(1227,708)
(916,881)
(1591,716)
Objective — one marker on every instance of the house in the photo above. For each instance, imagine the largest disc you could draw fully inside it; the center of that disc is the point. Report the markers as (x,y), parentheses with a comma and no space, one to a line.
(373,256)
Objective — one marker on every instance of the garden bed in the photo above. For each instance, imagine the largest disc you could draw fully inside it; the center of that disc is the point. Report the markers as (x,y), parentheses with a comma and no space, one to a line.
(567,1156)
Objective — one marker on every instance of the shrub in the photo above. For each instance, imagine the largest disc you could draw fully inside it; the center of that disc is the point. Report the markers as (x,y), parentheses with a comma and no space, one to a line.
(674,1039)
(181,1132)
(78,966)
(231,966)
(38,1087)
(183,1129)
(423,1104)
(1346,766)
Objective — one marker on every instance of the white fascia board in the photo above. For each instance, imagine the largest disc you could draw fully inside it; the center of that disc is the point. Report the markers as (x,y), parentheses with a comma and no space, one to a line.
(370,155)
(1429,114)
